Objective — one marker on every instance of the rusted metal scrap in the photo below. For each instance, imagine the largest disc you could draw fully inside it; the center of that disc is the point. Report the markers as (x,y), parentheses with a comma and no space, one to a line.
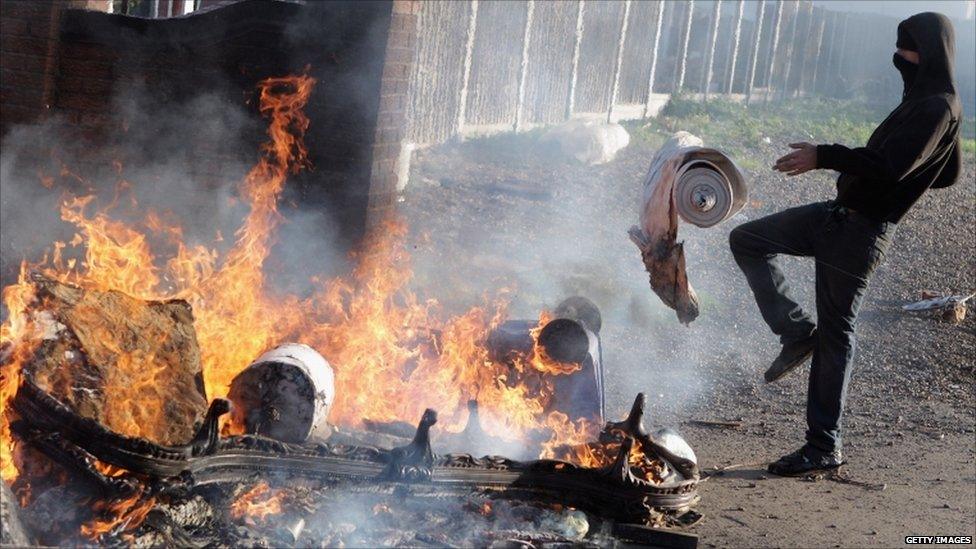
(98,346)
(665,443)
(611,492)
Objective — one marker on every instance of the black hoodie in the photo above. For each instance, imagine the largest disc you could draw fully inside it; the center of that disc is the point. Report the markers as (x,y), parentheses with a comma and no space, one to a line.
(917,146)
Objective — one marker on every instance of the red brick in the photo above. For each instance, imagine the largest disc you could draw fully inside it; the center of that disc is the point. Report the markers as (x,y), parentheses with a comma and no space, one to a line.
(17,27)
(83,102)
(83,84)
(28,99)
(18,114)
(41,27)
(25,96)
(15,78)
(21,44)
(88,52)
(27,9)
(403,7)
(23,62)
(94,69)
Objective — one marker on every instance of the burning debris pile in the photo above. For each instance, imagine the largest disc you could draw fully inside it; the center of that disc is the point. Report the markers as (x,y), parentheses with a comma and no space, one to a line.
(108,361)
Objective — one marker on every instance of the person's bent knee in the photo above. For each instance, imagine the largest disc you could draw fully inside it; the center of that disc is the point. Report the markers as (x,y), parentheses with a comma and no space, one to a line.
(739,240)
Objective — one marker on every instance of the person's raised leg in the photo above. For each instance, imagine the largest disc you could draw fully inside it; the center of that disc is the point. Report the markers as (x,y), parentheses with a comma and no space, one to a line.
(756,245)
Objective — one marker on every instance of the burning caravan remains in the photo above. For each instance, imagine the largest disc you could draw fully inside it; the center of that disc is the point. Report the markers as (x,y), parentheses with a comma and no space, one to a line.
(108,435)
(278,470)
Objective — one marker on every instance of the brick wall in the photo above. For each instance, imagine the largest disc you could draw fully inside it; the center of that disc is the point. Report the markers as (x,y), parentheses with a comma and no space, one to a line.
(391,118)
(75,63)
(28,59)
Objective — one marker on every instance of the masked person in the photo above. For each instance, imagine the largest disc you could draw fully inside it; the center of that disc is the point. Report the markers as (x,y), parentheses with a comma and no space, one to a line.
(915,148)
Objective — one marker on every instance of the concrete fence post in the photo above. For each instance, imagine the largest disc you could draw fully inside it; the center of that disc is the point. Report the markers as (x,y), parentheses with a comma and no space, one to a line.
(615,81)
(524,65)
(654,54)
(789,49)
(754,54)
(818,35)
(801,44)
(682,57)
(826,58)
(777,24)
(842,54)
(807,37)
(734,55)
(710,54)
(574,73)
(466,71)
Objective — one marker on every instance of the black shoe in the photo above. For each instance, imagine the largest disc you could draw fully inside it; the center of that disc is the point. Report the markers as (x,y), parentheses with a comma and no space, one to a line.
(793,355)
(806,460)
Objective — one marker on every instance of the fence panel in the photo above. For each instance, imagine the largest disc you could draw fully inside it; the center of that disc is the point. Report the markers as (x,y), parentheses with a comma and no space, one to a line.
(598,55)
(495,63)
(550,61)
(438,72)
(490,66)
(638,52)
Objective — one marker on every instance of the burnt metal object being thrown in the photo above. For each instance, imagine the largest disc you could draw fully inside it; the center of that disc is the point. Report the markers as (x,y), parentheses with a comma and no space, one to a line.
(704,187)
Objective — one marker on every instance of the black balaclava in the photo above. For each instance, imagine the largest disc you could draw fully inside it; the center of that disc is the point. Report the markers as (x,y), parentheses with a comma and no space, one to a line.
(931,35)
(907,69)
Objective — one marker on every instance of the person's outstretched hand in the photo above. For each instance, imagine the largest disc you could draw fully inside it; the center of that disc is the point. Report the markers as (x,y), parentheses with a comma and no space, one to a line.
(802,160)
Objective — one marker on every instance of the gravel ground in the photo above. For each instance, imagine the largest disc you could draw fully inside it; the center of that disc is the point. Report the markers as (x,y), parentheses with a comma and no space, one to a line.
(507,212)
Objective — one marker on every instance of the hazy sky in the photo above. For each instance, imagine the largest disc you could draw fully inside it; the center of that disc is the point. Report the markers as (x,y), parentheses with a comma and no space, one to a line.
(956,9)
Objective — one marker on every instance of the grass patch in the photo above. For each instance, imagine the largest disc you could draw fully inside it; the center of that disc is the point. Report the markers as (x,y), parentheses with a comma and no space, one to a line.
(968,136)
(741,130)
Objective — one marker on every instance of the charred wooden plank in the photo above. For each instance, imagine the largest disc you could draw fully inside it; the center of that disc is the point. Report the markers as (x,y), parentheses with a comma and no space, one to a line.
(655,537)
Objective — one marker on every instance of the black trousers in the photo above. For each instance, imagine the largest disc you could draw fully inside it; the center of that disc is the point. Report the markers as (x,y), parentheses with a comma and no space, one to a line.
(847,247)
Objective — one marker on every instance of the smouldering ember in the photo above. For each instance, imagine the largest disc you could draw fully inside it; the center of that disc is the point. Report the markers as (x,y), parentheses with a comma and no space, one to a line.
(124,515)
(257,504)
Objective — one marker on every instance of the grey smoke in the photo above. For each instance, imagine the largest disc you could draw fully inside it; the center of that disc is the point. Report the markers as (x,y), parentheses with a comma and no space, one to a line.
(183,160)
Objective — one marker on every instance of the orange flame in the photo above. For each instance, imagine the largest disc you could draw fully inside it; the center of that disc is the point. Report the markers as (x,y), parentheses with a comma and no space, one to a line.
(257,504)
(395,353)
(123,515)
(17,343)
